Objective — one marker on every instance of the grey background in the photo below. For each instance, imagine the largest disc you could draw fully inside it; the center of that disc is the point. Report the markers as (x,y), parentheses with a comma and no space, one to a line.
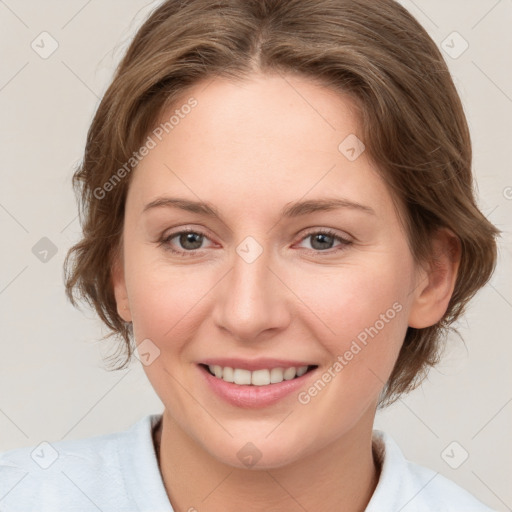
(53,384)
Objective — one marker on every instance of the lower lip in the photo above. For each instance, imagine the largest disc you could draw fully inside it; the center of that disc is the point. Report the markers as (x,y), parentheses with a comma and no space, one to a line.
(253,396)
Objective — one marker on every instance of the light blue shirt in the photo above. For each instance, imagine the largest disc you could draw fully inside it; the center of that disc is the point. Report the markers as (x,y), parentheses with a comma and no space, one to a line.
(119,473)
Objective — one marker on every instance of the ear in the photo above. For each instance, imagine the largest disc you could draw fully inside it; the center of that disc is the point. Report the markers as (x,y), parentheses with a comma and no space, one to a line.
(119,286)
(436,281)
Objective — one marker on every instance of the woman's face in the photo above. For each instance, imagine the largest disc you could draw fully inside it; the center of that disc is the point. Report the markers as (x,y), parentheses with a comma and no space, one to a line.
(255,289)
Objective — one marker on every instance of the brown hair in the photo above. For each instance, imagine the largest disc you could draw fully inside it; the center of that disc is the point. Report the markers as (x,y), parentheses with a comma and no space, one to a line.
(412,118)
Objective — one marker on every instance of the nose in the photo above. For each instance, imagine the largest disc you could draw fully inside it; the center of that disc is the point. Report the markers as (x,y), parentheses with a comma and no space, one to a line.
(252,302)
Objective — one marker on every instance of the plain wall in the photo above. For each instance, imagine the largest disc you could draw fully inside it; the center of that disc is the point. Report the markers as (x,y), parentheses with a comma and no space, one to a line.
(53,383)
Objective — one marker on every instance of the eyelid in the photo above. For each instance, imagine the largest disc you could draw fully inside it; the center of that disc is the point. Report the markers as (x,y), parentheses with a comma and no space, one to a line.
(331,231)
(165,238)
(342,238)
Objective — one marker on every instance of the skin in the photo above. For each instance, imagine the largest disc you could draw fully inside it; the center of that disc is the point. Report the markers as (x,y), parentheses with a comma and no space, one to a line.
(250,148)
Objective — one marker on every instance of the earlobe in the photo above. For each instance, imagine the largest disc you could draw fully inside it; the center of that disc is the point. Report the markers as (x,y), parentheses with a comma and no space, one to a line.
(119,287)
(436,282)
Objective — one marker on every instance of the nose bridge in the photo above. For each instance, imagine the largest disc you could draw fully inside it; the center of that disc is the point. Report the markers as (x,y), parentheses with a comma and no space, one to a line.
(251,299)
(251,267)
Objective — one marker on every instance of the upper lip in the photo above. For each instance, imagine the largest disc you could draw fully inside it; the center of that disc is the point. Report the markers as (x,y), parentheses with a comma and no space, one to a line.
(255,364)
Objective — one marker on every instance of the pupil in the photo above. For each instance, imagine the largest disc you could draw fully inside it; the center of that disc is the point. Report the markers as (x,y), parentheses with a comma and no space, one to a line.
(187,238)
(322,237)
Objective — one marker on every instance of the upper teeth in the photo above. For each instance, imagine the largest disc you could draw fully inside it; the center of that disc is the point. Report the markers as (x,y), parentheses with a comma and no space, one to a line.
(257,377)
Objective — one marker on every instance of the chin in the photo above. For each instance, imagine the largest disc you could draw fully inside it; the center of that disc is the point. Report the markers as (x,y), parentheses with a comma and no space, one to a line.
(259,451)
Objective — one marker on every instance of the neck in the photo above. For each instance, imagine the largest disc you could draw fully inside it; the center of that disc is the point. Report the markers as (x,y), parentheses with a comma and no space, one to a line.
(341,476)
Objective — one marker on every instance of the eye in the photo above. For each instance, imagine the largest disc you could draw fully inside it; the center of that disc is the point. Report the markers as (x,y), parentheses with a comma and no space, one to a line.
(190,240)
(322,240)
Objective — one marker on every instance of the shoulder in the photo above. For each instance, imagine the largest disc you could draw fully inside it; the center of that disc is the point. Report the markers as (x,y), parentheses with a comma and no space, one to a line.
(62,473)
(436,492)
(406,486)
(74,474)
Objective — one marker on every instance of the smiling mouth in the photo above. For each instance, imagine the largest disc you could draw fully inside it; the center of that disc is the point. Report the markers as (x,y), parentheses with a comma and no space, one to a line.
(263,377)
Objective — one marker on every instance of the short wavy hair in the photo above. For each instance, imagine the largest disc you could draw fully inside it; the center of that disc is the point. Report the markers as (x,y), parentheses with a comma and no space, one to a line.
(413,126)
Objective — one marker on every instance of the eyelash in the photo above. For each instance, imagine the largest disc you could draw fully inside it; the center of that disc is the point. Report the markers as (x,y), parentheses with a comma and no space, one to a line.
(165,242)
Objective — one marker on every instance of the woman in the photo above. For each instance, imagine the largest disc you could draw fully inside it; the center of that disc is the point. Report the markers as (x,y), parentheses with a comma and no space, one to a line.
(278,212)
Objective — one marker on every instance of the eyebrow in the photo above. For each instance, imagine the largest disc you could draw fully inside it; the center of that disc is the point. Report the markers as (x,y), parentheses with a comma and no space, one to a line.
(290,210)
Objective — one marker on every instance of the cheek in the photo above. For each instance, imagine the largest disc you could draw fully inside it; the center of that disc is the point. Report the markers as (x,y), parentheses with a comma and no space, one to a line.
(165,298)
(364,321)
(360,313)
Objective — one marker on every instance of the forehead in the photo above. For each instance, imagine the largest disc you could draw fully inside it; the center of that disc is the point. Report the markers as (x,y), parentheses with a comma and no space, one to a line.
(265,140)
